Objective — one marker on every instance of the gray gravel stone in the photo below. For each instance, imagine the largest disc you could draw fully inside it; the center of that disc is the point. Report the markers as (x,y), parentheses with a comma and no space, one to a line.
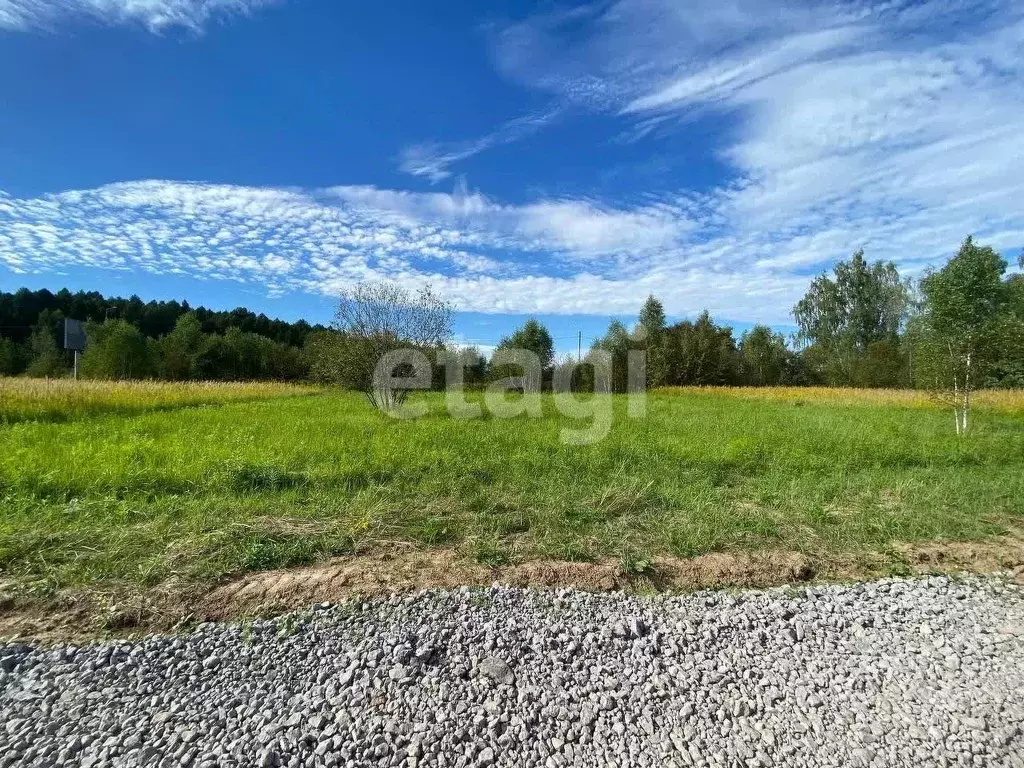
(497,670)
(923,671)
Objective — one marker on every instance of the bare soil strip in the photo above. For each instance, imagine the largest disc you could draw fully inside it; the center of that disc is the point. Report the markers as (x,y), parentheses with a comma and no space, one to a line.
(83,615)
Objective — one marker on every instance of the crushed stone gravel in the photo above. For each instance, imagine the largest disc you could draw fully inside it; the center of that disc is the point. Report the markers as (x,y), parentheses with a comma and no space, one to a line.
(898,672)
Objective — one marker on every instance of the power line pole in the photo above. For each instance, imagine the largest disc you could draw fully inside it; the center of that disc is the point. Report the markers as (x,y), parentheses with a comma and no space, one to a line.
(579,347)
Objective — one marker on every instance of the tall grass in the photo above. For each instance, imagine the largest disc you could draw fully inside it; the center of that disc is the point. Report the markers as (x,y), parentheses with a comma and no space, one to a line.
(198,493)
(24,399)
(1001,400)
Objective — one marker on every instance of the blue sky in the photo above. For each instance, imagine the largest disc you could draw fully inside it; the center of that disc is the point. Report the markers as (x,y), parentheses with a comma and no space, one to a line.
(557,160)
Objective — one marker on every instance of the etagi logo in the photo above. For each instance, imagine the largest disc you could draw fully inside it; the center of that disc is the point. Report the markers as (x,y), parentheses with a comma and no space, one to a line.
(402,371)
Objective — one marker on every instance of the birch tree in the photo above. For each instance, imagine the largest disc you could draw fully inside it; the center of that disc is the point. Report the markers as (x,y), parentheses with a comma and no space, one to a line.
(961,326)
(841,317)
(650,332)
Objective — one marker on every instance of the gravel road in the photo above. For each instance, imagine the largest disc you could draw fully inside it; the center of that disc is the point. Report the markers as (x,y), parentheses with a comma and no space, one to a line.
(890,673)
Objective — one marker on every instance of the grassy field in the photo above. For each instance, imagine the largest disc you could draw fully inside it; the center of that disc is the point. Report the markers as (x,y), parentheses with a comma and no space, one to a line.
(65,399)
(138,484)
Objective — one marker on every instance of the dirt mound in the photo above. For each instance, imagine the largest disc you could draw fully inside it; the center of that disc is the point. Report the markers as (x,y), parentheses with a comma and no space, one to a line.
(77,614)
(371,575)
(1006,554)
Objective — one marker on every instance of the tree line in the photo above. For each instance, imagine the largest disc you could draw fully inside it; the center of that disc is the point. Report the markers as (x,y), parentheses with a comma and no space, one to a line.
(958,328)
(132,339)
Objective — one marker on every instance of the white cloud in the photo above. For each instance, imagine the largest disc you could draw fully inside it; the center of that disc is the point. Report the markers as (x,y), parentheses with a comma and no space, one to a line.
(483,255)
(892,125)
(433,160)
(582,227)
(562,256)
(155,15)
(578,228)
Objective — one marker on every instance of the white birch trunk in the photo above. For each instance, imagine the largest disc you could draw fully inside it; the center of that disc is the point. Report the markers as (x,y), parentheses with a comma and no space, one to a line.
(956,404)
(967,392)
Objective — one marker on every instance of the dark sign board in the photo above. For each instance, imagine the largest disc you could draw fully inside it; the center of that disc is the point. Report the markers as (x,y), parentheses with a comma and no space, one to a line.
(74,335)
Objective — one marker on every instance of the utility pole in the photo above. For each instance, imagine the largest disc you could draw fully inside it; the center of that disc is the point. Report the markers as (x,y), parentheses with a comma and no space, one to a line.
(579,347)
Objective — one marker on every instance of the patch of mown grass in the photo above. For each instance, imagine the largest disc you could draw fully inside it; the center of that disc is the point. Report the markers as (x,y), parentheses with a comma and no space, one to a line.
(200,493)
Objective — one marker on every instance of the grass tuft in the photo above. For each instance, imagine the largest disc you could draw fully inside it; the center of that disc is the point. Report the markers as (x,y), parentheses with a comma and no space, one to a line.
(262,477)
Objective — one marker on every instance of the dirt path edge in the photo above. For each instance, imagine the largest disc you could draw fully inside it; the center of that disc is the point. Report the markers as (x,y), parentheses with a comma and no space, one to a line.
(113,612)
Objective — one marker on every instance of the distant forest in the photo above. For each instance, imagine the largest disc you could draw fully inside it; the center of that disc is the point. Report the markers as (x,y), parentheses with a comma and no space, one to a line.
(130,338)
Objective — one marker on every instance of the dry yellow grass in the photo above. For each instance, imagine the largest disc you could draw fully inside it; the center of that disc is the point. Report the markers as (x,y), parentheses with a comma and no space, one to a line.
(1009,401)
(57,399)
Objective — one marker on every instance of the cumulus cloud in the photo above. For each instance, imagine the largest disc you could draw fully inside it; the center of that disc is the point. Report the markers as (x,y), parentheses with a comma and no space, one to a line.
(155,15)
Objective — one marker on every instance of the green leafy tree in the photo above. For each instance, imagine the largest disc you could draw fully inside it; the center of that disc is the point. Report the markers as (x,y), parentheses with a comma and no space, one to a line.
(884,364)
(11,358)
(474,366)
(617,342)
(322,357)
(652,316)
(240,356)
(1008,370)
(181,348)
(701,353)
(651,334)
(799,372)
(155,319)
(218,359)
(116,350)
(46,358)
(763,356)
(964,323)
(284,362)
(250,353)
(842,317)
(534,337)
(182,343)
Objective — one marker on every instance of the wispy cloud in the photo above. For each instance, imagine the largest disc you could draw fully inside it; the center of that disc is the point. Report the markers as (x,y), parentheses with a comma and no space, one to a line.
(896,127)
(434,160)
(861,123)
(154,15)
(573,228)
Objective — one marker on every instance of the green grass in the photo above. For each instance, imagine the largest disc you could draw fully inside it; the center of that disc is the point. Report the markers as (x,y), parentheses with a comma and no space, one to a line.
(197,493)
